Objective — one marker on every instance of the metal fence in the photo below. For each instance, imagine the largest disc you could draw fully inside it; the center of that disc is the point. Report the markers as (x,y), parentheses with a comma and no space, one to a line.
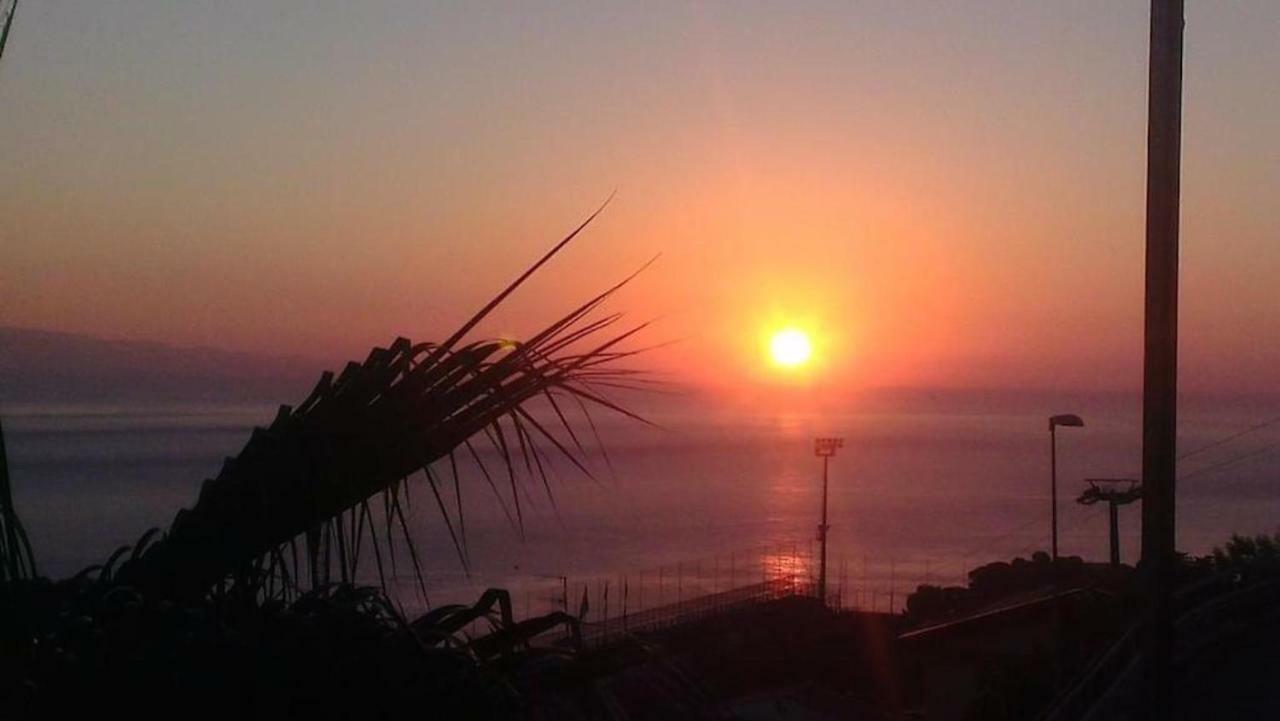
(869,583)
(658,597)
(693,609)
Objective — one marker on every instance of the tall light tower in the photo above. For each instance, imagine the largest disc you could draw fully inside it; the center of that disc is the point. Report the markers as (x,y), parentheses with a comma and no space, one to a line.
(824,448)
(1068,420)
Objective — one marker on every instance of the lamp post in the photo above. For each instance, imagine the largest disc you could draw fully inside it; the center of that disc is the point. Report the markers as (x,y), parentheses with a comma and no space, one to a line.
(824,448)
(1069,420)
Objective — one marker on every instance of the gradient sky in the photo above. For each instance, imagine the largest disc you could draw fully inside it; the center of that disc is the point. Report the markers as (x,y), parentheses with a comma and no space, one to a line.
(947,194)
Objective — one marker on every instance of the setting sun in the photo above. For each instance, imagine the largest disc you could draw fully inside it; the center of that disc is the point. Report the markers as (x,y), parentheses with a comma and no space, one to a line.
(790,347)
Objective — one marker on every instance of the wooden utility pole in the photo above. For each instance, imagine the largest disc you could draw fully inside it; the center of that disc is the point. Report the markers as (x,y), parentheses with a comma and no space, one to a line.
(1160,356)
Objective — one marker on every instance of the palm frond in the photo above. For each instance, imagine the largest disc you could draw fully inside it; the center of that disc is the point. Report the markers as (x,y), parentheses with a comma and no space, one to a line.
(8,24)
(365,432)
(16,559)
(17,562)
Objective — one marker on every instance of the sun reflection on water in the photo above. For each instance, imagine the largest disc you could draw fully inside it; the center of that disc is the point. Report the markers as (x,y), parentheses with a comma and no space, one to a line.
(787,566)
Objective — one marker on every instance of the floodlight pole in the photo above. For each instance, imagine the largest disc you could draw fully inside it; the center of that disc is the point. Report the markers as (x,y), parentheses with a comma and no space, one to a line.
(822,534)
(1160,346)
(824,448)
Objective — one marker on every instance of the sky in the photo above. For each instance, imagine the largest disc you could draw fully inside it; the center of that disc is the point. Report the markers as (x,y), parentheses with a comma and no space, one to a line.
(943,195)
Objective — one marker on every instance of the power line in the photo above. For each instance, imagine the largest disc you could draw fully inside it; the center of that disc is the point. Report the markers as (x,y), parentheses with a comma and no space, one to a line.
(1269,448)
(1229,438)
(1231,461)
(986,546)
(1093,513)
(1222,441)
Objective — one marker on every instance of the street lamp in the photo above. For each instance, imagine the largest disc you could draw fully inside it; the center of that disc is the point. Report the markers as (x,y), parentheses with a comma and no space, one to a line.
(824,448)
(1069,420)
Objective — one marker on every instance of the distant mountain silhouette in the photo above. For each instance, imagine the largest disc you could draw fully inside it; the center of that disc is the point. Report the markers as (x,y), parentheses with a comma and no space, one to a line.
(50,366)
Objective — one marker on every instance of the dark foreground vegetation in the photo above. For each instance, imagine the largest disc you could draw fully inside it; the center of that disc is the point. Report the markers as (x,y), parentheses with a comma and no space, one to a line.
(339,652)
(1058,640)
(250,603)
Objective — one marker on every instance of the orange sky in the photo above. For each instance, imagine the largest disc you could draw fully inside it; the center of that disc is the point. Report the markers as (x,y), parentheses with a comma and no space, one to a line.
(946,196)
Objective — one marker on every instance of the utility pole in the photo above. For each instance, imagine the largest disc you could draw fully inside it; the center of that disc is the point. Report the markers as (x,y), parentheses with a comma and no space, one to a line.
(1160,347)
(824,448)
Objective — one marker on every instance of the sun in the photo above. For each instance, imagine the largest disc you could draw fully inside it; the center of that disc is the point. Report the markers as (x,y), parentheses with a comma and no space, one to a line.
(790,348)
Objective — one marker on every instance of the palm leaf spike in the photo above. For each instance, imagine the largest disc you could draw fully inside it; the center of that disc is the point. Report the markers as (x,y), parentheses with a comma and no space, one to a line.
(499,442)
(377,551)
(524,444)
(488,308)
(17,562)
(484,471)
(444,513)
(457,496)
(358,435)
(8,23)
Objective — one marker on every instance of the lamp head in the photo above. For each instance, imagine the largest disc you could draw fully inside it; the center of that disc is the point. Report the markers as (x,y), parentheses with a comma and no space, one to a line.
(826,446)
(1070,420)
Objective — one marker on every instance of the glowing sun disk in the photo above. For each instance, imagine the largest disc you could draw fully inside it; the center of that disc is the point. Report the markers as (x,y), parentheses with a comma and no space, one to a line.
(790,347)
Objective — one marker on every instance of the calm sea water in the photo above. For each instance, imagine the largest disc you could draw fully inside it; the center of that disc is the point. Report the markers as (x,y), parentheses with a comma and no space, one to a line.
(921,492)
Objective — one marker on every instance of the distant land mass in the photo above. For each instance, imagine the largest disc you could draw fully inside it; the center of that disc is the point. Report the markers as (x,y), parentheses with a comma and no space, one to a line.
(42,366)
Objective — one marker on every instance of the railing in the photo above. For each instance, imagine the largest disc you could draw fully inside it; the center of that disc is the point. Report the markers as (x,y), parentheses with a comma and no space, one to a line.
(1093,684)
(693,609)
(879,584)
(1206,619)
(654,597)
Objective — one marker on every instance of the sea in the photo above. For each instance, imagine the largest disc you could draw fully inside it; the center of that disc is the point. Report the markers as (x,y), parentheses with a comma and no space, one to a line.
(702,498)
